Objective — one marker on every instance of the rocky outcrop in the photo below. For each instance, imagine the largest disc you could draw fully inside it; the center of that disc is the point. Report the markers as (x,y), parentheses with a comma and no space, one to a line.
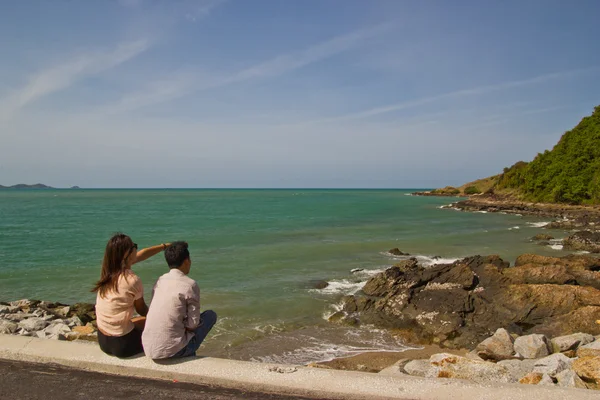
(460,304)
(48,320)
(583,241)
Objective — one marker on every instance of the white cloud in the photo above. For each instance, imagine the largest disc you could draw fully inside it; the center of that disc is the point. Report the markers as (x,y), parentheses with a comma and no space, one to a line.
(183,83)
(62,76)
(457,94)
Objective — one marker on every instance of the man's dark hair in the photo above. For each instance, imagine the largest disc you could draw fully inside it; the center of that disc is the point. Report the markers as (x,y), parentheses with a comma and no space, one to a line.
(176,254)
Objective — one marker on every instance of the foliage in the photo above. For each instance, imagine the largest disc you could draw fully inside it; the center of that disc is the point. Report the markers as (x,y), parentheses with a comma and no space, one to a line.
(472,190)
(570,173)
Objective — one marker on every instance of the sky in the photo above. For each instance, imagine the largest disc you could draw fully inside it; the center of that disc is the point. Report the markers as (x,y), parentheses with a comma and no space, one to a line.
(288,93)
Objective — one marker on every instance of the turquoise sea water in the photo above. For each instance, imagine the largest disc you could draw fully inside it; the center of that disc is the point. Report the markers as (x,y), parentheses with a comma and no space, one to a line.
(255,253)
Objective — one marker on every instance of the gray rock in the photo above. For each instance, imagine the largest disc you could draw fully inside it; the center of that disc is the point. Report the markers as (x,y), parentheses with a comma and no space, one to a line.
(18,317)
(33,324)
(546,381)
(517,369)
(4,309)
(418,368)
(552,365)
(589,350)
(74,321)
(568,378)
(570,342)
(24,332)
(40,334)
(7,327)
(532,346)
(56,329)
(62,312)
(497,347)
(20,303)
(57,336)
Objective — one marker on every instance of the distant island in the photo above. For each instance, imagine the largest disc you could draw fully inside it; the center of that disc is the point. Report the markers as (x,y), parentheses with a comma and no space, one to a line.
(568,174)
(25,186)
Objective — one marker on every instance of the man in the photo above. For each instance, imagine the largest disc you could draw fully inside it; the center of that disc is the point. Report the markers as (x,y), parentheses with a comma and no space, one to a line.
(174,325)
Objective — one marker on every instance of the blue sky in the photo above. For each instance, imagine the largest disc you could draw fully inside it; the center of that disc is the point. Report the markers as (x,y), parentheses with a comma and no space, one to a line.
(288,93)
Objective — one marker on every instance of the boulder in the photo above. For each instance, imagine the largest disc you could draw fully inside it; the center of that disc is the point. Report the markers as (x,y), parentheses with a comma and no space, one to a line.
(33,324)
(568,378)
(57,329)
(588,369)
(62,312)
(552,365)
(453,366)
(85,311)
(8,327)
(418,368)
(542,236)
(517,369)
(583,241)
(4,309)
(319,284)
(74,321)
(497,347)
(531,346)
(589,350)
(570,342)
(396,252)
(18,317)
(532,378)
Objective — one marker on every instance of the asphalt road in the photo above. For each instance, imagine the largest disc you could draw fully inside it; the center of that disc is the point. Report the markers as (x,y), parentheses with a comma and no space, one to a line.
(21,380)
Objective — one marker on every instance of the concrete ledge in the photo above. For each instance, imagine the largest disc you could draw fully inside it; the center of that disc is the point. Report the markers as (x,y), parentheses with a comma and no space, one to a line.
(274,378)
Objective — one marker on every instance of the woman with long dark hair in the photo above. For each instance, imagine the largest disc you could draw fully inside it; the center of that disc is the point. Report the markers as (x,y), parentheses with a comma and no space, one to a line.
(119,292)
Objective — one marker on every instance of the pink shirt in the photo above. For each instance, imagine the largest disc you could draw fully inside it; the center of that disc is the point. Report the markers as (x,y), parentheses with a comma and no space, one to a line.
(114,310)
(175,306)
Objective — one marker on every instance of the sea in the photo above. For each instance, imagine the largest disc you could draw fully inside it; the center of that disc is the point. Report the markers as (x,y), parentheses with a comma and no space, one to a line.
(257,255)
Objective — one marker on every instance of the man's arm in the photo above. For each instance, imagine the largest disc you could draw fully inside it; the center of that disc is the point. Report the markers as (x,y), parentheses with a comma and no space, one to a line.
(193,309)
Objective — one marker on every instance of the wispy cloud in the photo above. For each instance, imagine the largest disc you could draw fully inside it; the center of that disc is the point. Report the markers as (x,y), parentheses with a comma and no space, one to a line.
(64,75)
(201,8)
(182,84)
(458,94)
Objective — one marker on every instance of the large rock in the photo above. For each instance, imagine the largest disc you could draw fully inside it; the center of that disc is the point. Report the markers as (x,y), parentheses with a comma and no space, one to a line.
(589,350)
(420,368)
(568,378)
(4,309)
(57,329)
(552,365)
(588,369)
(583,241)
(453,366)
(542,236)
(570,342)
(86,312)
(531,346)
(7,327)
(518,368)
(33,324)
(497,347)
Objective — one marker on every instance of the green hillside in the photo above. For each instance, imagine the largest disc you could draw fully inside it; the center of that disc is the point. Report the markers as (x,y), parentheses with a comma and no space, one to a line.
(570,173)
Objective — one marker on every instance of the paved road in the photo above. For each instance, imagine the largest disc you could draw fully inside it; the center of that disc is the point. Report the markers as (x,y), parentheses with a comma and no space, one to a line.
(21,380)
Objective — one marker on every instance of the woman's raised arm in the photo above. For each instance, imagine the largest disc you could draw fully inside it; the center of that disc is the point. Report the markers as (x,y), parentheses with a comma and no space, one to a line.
(148,252)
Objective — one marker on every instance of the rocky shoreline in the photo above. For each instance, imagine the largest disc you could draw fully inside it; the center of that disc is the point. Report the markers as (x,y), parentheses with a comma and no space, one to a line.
(48,320)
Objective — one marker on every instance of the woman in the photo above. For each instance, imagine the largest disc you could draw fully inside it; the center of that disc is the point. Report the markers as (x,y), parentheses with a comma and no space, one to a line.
(119,292)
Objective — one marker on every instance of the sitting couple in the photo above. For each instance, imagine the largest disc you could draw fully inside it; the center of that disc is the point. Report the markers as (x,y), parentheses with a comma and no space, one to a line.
(173,325)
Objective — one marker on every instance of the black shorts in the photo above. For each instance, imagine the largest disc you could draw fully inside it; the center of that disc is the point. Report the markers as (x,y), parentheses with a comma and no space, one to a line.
(121,346)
